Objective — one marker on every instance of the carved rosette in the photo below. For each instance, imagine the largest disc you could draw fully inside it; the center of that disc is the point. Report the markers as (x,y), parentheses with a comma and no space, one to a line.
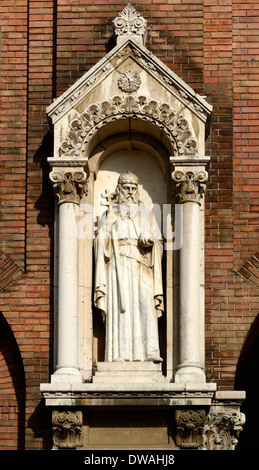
(189,428)
(67,429)
(190,184)
(221,431)
(129,22)
(129,81)
(69,186)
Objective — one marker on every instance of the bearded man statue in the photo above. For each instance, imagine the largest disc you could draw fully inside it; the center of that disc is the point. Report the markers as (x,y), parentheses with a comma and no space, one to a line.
(128,276)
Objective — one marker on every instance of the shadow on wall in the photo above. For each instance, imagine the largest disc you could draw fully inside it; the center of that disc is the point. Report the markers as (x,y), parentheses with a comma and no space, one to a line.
(247,378)
(12,389)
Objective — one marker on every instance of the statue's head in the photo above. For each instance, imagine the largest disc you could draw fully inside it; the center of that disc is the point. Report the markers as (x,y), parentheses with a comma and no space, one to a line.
(127,188)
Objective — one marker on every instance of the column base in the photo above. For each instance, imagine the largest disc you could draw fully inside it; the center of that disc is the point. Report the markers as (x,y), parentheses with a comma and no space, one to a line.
(66,375)
(190,373)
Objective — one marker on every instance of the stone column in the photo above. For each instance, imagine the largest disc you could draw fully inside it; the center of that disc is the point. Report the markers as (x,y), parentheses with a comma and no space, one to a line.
(190,186)
(69,185)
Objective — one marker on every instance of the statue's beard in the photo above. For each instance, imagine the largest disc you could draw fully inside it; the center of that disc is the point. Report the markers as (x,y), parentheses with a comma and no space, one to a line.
(124,198)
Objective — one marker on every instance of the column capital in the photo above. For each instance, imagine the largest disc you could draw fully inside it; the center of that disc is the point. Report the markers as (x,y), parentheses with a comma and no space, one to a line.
(69,177)
(221,430)
(190,176)
(69,184)
(190,183)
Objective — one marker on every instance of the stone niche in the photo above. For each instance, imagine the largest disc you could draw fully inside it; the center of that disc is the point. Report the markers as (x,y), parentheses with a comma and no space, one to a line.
(131,113)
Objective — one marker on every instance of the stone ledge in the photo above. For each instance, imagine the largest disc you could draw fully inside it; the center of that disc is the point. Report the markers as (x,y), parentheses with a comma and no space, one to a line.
(128,388)
(150,394)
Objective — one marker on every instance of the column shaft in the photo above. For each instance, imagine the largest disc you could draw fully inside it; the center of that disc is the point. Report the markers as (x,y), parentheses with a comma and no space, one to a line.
(190,367)
(67,351)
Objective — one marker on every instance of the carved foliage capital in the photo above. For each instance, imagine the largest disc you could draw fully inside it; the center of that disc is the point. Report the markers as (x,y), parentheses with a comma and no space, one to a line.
(67,429)
(190,184)
(69,186)
(189,428)
(222,430)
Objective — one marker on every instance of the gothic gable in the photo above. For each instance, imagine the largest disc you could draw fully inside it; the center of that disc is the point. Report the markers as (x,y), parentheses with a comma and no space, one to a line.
(129,82)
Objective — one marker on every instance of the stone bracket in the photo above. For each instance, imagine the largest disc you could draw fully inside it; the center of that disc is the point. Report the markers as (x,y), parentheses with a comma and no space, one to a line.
(201,429)
(189,427)
(221,430)
(67,429)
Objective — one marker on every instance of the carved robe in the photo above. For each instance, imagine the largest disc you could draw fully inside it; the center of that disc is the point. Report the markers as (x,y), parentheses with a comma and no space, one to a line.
(128,283)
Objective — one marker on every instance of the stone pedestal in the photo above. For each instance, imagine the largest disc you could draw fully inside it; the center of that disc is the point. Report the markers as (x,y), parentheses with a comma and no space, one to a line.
(128,372)
(137,416)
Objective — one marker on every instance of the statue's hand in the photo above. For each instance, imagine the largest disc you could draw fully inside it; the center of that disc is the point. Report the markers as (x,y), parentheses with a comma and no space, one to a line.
(145,242)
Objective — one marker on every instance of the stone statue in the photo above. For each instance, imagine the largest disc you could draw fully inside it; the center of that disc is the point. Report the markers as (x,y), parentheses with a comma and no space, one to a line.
(128,281)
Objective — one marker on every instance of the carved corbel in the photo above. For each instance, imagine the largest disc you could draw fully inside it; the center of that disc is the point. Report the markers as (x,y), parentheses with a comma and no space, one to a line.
(69,186)
(190,184)
(189,428)
(67,429)
(221,431)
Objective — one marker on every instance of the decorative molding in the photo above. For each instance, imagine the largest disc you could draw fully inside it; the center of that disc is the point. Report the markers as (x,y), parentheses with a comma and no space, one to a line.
(67,429)
(69,186)
(102,394)
(130,23)
(221,431)
(190,184)
(129,81)
(189,428)
(176,127)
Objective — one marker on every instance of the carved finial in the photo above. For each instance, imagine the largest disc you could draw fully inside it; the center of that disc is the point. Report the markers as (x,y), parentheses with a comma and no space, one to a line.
(130,23)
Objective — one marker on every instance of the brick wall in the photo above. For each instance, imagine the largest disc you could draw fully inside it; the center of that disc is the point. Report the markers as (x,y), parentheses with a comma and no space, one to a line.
(45,47)
(230,69)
